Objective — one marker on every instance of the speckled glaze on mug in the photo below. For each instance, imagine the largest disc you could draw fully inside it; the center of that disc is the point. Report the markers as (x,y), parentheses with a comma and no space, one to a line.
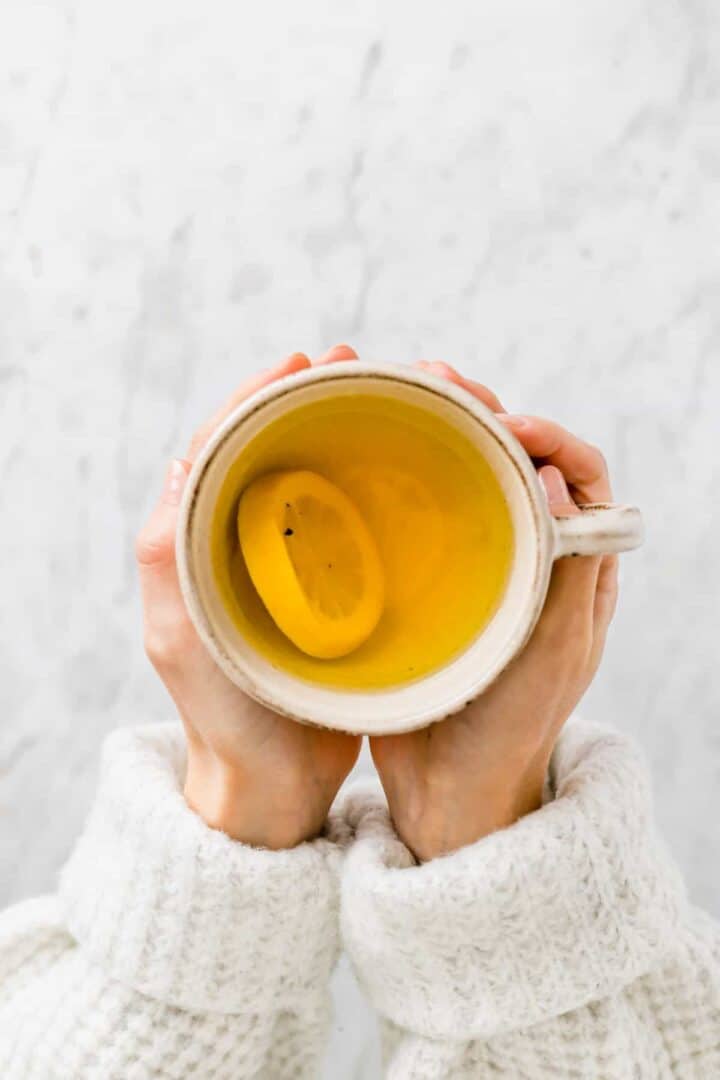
(539,540)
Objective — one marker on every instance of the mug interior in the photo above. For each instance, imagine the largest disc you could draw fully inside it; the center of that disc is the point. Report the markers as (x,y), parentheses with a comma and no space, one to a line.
(412,704)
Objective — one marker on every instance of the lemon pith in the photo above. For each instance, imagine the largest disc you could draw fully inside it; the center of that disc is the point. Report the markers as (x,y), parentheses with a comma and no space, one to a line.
(312,560)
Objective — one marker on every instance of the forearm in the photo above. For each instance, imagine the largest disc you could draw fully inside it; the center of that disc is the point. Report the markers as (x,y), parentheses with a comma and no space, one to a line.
(542,937)
(167,933)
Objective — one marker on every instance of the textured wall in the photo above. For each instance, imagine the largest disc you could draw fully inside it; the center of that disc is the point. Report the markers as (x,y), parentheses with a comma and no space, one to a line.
(531,191)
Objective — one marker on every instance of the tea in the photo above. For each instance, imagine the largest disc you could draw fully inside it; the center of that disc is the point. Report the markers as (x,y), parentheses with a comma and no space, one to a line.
(436,513)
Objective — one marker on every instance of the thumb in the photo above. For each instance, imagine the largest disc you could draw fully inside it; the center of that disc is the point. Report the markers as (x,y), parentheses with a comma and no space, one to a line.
(155,546)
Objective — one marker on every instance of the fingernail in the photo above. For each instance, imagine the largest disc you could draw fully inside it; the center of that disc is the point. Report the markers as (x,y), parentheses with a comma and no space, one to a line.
(445,371)
(295,358)
(556,489)
(174,482)
(512,421)
(340,352)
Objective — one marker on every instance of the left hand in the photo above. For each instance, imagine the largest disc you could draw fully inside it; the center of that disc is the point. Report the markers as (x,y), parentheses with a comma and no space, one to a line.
(454,782)
(259,777)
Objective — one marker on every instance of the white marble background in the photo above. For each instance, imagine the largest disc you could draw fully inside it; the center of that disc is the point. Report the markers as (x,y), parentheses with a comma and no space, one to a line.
(191,190)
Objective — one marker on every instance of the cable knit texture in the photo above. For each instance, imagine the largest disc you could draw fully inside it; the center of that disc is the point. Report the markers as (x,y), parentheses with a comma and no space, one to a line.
(562,947)
(172,951)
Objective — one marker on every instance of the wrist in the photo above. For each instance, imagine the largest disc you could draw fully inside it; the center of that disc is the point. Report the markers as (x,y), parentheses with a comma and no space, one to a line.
(450,815)
(274,812)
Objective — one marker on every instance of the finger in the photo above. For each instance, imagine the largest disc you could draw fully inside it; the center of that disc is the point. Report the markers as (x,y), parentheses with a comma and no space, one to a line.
(155,549)
(335,355)
(557,494)
(567,616)
(582,465)
(478,390)
(571,595)
(294,363)
(606,594)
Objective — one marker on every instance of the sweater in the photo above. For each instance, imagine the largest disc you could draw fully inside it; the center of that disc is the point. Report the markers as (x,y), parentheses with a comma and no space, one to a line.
(563,946)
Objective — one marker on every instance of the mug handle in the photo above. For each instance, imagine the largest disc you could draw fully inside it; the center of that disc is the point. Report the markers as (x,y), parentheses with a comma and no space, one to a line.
(599,529)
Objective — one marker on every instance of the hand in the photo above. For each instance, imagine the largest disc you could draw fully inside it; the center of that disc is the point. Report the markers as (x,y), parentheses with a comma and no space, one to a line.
(458,780)
(261,778)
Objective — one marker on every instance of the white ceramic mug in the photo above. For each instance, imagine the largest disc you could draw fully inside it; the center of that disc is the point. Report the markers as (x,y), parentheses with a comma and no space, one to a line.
(539,540)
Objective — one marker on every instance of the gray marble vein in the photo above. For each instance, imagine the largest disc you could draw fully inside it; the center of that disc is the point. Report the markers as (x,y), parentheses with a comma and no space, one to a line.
(189,192)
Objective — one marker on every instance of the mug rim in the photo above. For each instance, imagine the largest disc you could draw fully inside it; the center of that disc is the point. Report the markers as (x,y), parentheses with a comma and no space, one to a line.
(445,389)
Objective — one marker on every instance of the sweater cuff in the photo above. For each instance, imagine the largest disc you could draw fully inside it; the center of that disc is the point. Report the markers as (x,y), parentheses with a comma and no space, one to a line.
(181,912)
(563,908)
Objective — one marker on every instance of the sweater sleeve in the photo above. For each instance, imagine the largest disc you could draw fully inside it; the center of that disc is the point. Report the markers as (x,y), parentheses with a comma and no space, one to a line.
(561,946)
(170,950)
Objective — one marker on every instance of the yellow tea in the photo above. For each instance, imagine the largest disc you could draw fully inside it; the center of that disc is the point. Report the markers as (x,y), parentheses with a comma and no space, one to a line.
(433,507)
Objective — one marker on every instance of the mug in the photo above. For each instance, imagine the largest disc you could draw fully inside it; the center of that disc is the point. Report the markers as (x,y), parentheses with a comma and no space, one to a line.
(539,539)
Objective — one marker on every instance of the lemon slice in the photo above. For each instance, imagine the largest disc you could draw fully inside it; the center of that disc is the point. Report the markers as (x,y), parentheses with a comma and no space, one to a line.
(313,561)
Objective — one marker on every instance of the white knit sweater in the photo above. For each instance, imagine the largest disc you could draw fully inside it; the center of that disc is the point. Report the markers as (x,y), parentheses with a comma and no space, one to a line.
(560,947)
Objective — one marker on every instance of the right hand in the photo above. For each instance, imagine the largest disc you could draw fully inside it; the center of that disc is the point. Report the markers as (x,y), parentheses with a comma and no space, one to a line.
(481,769)
(258,776)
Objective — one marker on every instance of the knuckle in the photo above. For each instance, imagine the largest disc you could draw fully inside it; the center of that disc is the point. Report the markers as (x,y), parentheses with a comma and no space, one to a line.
(155,648)
(152,549)
(167,647)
